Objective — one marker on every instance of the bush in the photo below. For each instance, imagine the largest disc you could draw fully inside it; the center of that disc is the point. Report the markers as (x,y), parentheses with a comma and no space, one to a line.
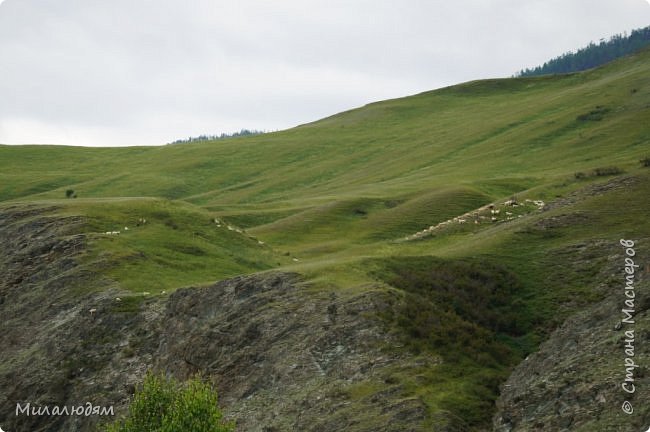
(69,193)
(607,171)
(164,405)
(645,162)
(594,115)
(580,175)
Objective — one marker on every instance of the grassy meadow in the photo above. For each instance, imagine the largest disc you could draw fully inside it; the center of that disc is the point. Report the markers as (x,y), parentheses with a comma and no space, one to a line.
(335,200)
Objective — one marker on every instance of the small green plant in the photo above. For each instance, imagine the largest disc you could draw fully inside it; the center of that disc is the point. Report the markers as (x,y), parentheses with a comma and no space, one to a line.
(579,175)
(69,193)
(165,405)
(645,161)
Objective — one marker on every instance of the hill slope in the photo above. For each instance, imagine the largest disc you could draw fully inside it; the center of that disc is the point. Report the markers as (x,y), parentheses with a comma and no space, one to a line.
(480,217)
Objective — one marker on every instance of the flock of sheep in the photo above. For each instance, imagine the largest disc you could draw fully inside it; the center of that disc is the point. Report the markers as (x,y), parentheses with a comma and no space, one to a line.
(489,213)
(141,221)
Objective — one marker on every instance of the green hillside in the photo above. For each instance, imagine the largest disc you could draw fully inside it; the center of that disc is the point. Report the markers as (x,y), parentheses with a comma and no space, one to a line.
(341,201)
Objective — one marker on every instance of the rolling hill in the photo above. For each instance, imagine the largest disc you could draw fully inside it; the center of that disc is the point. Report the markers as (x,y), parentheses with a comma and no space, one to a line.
(477,219)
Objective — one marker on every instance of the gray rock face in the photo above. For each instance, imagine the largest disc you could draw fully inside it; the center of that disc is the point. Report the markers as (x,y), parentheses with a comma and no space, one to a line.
(574,381)
(284,356)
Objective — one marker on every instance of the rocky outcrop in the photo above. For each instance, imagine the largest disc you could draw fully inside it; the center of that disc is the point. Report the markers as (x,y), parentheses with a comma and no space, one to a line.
(62,334)
(574,381)
(284,356)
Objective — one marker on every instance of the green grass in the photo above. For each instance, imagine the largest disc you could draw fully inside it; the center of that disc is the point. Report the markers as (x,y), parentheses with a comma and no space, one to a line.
(332,199)
(178,245)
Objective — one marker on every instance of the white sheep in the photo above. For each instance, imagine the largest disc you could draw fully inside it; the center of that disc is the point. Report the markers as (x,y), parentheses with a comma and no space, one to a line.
(462,221)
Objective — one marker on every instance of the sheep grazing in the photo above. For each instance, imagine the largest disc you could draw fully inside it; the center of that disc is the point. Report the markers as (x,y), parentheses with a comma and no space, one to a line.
(508,213)
(92,311)
(260,242)
(461,221)
(117,299)
(494,219)
(126,228)
(296,260)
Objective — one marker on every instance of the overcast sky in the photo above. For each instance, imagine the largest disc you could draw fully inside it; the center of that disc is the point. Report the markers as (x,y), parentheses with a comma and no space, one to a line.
(143,72)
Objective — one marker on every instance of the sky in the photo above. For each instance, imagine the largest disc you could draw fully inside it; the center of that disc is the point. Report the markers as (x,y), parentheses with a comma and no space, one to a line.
(144,72)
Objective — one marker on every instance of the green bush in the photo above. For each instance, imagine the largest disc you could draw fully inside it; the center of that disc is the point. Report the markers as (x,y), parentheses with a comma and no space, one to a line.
(607,171)
(164,405)
(645,162)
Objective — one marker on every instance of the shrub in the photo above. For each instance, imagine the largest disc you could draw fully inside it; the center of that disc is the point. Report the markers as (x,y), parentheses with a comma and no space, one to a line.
(607,171)
(69,193)
(594,115)
(164,405)
(580,175)
(645,161)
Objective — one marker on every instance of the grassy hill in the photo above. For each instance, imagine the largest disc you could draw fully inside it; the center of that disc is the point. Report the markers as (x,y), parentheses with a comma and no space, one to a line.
(339,201)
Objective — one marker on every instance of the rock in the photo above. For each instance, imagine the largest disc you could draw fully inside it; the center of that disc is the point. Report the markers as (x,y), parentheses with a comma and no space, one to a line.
(260,338)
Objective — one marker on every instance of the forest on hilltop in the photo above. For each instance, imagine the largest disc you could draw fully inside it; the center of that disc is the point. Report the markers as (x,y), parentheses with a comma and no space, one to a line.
(593,55)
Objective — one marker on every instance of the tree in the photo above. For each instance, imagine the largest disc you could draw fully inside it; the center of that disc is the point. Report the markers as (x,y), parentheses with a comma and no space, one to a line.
(593,54)
(165,405)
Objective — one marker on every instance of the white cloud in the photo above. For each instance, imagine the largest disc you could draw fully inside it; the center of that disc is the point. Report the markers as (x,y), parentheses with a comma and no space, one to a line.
(92,72)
